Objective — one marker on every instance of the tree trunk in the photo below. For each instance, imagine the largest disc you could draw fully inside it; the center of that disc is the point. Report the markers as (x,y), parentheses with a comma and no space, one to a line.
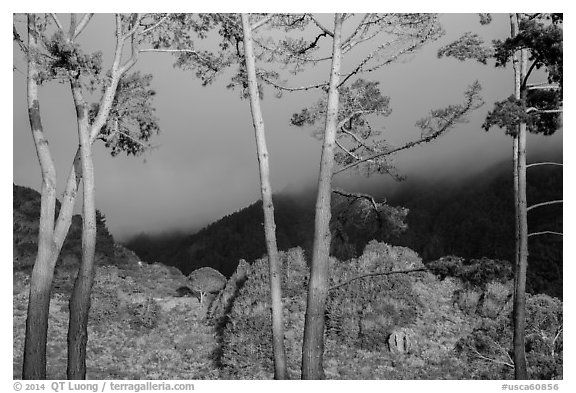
(520,368)
(80,299)
(280,366)
(521,224)
(313,346)
(34,366)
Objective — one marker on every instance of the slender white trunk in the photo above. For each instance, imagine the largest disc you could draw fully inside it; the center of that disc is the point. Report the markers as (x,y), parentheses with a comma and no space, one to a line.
(275,271)
(34,366)
(80,299)
(313,346)
(521,224)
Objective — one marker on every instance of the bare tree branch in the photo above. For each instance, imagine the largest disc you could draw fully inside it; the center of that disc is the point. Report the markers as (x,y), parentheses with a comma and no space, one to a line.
(543,163)
(534,109)
(289,53)
(57,21)
(543,86)
(199,56)
(545,233)
(261,22)
(423,269)
(286,88)
(320,25)
(149,29)
(82,25)
(345,150)
(543,204)
(556,338)
(490,359)
(135,27)
(19,40)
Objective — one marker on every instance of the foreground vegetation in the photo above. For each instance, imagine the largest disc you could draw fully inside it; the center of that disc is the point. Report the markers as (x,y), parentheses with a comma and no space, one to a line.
(451,322)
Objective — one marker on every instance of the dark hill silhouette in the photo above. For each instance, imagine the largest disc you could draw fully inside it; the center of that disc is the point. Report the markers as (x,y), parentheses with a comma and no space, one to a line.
(25,223)
(472,219)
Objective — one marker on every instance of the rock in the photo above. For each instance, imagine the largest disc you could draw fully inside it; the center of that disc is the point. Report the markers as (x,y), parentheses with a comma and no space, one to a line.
(400,341)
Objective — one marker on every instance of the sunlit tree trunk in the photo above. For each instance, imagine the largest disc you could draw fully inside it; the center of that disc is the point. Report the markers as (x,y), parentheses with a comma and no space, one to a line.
(520,367)
(34,366)
(313,346)
(280,367)
(80,299)
(521,224)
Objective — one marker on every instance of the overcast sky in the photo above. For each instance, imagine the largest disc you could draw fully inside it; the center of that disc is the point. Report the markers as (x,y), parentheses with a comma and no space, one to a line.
(206,167)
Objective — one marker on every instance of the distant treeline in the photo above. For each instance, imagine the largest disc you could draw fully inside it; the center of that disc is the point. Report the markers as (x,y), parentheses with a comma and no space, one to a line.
(470,219)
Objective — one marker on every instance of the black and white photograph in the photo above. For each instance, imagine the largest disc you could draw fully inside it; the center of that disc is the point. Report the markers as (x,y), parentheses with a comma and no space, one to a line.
(285,196)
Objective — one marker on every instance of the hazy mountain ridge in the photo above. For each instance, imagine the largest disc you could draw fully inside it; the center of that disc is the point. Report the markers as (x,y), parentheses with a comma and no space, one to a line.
(472,218)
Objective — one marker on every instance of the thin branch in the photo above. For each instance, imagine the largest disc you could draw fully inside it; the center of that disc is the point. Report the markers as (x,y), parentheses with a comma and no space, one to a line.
(313,43)
(199,56)
(82,25)
(133,58)
(353,114)
(540,111)
(354,156)
(261,22)
(544,204)
(356,30)
(357,195)
(448,124)
(135,27)
(289,53)
(149,29)
(19,40)
(145,146)
(355,137)
(556,338)
(286,88)
(321,26)
(423,269)
(543,86)
(386,153)
(543,163)
(489,359)
(525,81)
(545,233)
(57,21)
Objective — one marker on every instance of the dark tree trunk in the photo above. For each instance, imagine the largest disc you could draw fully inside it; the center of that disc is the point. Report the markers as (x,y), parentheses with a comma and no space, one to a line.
(34,366)
(313,346)
(275,271)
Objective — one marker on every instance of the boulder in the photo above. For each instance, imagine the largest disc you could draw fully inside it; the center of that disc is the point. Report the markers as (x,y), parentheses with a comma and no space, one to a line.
(400,341)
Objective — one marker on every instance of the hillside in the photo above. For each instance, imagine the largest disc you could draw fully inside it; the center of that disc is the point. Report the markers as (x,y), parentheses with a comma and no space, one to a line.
(142,324)
(470,219)
(146,321)
(25,222)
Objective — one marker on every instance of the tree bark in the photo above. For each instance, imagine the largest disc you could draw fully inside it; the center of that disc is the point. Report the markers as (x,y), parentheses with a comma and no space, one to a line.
(280,366)
(520,368)
(313,346)
(80,300)
(521,224)
(34,366)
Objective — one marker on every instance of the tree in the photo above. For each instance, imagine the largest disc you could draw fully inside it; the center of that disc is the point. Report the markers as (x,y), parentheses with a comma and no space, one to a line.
(537,38)
(53,54)
(236,30)
(344,113)
(280,366)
